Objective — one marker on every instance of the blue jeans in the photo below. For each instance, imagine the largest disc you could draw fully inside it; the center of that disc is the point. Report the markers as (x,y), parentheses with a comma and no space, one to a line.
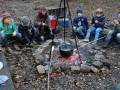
(80,30)
(4,38)
(97,32)
(110,36)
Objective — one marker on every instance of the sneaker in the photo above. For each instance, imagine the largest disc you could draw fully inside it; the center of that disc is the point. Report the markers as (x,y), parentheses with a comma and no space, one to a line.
(0,48)
(94,42)
(42,38)
(3,79)
(1,65)
(86,40)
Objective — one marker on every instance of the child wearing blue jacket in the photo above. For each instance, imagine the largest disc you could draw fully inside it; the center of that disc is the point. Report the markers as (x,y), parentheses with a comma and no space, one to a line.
(80,23)
(97,25)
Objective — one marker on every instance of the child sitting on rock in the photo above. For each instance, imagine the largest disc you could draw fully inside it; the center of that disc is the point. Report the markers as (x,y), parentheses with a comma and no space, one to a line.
(97,25)
(114,32)
(41,25)
(80,24)
(7,30)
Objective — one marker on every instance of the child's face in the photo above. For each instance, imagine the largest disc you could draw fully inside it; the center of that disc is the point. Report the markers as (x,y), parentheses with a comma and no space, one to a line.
(80,14)
(44,12)
(115,21)
(98,14)
(26,23)
(7,20)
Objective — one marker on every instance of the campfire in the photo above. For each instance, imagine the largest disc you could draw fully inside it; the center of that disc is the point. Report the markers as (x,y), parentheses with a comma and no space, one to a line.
(73,62)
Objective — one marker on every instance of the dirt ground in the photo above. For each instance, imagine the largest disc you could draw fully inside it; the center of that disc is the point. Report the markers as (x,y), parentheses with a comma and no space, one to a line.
(23,66)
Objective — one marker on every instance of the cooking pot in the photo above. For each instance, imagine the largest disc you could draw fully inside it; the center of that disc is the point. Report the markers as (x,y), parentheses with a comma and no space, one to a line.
(66,50)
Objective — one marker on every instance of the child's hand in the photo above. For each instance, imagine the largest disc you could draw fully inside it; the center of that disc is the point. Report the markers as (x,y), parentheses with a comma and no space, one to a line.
(39,23)
(96,21)
(90,22)
(116,21)
(14,34)
(43,24)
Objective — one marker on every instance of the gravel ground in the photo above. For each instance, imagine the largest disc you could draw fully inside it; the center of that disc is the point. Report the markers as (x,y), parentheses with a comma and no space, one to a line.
(23,66)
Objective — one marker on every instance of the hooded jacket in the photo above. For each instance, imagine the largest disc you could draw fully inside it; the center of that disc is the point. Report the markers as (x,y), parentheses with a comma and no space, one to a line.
(22,28)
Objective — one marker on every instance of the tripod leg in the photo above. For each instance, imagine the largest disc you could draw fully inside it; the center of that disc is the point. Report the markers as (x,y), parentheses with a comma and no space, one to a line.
(64,18)
(50,54)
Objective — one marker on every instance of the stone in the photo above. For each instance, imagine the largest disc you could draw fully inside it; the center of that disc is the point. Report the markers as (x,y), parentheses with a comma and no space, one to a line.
(100,53)
(97,48)
(103,51)
(99,57)
(75,68)
(94,69)
(91,52)
(41,69)
(105,70)
(77,84)
(46,57)
(97,64)
(84,68)
(118,63)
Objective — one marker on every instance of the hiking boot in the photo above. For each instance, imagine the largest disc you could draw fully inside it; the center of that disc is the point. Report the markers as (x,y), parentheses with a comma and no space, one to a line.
(86,40)
(1,65)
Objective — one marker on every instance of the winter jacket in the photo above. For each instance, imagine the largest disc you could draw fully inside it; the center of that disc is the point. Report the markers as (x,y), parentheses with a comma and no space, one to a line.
(82,20)
(115,27)
(22,28)
(101,21)
(40,19)
(9,29)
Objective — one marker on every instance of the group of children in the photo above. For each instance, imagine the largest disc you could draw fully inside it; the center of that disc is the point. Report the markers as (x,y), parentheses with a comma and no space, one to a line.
(96,26)
(40,30)
(26,32)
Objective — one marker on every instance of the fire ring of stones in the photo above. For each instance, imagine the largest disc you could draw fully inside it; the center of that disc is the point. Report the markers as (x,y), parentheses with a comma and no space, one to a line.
(93,59)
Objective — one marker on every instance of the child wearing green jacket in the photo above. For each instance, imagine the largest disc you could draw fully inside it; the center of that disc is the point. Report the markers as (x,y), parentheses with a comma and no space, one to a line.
(7,30)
